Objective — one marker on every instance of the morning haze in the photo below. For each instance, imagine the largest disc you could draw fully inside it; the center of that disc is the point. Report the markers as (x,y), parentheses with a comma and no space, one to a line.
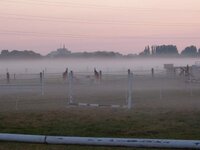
(99,74)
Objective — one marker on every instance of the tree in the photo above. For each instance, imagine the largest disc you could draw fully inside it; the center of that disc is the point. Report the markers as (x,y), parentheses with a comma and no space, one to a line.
(4,53)
(189,51)
(19,54)
(146,51)
(166,50)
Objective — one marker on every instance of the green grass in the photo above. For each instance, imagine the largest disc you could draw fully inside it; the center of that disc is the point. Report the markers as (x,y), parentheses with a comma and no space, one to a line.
(149,123)
(19,146)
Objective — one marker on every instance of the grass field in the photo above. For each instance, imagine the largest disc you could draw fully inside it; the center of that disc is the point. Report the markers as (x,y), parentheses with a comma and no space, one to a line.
(175,115)
(101,123)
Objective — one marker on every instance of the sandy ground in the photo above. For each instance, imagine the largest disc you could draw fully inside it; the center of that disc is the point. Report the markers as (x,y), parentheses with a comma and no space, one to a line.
(160,92)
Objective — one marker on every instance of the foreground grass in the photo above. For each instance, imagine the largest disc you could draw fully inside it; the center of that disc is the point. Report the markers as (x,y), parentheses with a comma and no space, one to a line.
(164,124)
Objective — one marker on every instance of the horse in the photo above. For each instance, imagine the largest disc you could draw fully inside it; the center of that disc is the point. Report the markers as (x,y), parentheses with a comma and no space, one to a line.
(96,74)
(65,74)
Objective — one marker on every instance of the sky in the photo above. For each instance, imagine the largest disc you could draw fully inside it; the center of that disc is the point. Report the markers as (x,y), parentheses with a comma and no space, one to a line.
(124,26)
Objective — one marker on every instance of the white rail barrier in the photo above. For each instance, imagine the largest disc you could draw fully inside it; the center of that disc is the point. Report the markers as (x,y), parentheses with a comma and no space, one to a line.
(92,141)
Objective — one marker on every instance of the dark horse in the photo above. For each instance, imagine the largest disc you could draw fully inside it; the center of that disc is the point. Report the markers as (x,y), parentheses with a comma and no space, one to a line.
(65,74)
(96,74)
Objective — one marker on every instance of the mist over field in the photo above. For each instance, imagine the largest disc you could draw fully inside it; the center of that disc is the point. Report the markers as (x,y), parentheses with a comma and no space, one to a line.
(87,65)
(121,73)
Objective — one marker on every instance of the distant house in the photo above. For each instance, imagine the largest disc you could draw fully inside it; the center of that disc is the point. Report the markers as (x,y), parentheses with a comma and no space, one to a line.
(60,52)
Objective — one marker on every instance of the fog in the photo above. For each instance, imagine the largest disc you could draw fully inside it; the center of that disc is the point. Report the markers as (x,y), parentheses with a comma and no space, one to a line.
(24,89)
(87,65)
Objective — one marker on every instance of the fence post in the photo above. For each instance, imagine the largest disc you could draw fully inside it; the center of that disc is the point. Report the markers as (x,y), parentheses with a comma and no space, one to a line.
(152,72)
(161,89)
(190,85)
(100,75)
(43,74)
(130,88)
(8,77)
(42,82)
(70,87)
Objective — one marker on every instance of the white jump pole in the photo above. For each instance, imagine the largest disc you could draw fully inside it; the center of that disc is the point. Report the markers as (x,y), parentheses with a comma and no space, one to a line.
(130,89)
(22,138)
(92,141)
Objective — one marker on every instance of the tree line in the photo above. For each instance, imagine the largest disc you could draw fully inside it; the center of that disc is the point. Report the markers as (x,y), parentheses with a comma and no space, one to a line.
(157,51)
(170,50)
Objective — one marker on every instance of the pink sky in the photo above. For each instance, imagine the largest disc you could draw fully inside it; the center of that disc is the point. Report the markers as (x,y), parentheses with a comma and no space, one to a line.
(125,26)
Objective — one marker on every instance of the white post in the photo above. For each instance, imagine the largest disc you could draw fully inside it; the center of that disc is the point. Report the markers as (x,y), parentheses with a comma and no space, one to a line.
(130,88)
(45,70)
(70,87)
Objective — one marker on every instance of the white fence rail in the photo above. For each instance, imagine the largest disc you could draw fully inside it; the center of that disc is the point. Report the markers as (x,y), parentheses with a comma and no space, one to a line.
(112,142)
